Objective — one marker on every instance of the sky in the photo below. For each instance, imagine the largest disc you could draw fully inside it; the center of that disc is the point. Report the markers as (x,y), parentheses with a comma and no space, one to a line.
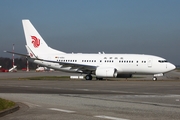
(92,26)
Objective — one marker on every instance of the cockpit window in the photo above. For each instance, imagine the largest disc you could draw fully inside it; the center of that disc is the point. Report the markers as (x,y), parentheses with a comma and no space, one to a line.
(162,61)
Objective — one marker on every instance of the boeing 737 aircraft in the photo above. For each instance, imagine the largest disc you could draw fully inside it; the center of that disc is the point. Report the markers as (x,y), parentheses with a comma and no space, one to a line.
(101,65)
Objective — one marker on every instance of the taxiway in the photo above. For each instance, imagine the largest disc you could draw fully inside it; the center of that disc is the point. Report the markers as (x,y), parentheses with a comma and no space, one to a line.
(92,100)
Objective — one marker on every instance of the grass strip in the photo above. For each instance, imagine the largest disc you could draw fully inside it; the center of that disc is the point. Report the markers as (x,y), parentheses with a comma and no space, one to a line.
(5,104)
(178,69)
(45,78)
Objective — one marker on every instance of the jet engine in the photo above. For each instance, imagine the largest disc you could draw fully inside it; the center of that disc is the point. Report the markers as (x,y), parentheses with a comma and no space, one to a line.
(106,72)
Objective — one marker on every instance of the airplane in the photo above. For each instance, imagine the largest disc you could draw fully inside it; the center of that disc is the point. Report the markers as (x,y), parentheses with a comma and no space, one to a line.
(101,65)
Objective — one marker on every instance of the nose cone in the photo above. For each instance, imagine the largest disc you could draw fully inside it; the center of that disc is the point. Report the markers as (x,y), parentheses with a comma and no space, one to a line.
(171,67)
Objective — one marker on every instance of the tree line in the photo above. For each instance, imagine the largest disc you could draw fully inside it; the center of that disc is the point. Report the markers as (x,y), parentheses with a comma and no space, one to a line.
(21,63)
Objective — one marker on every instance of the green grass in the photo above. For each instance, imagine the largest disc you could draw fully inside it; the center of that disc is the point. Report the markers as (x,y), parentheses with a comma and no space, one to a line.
(5,104)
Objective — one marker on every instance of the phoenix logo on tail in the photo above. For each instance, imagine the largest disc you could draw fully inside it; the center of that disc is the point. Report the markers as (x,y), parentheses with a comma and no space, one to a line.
(35,41)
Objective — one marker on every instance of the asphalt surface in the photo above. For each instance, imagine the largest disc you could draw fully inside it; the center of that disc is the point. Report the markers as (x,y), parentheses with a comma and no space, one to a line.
(137,98)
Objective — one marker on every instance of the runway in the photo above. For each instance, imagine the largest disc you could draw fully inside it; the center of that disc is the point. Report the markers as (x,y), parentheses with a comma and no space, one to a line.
(93,100)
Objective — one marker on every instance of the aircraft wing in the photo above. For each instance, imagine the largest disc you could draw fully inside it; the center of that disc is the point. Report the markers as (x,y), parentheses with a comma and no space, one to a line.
(80,67)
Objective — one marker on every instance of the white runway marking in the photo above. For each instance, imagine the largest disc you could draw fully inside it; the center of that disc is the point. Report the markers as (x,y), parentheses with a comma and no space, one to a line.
(61,110)
(110,118)
(31,104)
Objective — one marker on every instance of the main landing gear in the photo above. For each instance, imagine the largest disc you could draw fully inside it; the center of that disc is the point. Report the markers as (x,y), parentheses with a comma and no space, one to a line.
(88,77)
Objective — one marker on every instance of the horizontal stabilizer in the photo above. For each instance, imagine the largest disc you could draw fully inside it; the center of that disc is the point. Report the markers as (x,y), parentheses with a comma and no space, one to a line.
(17,53)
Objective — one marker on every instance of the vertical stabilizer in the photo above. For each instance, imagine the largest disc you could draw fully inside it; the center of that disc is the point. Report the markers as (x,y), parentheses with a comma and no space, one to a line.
(35,42)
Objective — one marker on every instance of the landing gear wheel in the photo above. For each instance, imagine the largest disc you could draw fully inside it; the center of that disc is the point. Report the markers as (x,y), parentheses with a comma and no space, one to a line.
(88,77)
(154,78)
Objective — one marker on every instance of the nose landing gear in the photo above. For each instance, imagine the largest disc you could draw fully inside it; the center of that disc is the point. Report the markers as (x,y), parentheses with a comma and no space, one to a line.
(157,75)
(154,78)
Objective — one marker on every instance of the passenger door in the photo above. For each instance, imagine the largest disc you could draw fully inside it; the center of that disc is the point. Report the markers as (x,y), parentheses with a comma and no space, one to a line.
(149,62)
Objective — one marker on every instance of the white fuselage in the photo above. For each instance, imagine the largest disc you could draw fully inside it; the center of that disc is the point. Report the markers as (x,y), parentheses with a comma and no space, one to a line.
(124,63)
(102,65)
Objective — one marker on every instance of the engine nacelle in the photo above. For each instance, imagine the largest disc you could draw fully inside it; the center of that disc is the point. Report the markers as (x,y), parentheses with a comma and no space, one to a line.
(106,72)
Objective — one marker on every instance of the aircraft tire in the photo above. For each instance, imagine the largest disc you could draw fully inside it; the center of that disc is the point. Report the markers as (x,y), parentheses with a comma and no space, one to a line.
(154,78)
(88,77)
